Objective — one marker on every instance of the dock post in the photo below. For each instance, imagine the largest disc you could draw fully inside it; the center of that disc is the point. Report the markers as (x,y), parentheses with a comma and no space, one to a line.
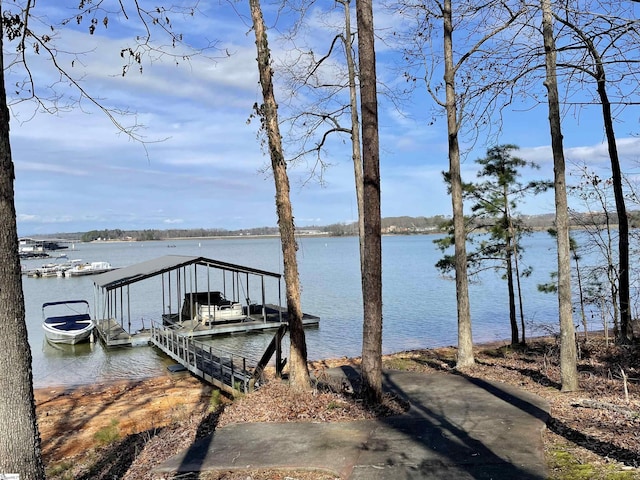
(233,376)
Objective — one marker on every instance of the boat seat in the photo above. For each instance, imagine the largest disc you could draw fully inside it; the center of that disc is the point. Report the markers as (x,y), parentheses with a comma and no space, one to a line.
(192,300)
(69,319)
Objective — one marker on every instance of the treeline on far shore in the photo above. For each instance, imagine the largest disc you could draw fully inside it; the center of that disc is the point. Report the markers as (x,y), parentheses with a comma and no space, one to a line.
(390,226)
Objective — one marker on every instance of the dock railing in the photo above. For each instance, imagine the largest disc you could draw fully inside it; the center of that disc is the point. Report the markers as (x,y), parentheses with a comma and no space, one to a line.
(223,369)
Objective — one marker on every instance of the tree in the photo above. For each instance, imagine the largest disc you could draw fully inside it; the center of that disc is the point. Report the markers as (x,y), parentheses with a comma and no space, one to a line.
(494,202)
(552,286)
(465,337)
(19,437)
(594,193)
(372,264)
(465,100)
(568,353)
(323,118)
(575,255)
(298,368)
(20,450)
(322,80)
(589,37)
(356,150)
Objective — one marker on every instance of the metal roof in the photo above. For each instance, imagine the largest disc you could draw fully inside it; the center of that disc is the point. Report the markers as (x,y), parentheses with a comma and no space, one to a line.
(140,271)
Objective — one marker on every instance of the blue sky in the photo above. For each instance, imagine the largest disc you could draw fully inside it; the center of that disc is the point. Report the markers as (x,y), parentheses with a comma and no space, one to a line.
(204,166)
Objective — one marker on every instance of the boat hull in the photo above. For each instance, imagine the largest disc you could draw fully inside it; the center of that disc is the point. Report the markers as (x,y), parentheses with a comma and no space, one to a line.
(67,337)
(92,268)
(67,328)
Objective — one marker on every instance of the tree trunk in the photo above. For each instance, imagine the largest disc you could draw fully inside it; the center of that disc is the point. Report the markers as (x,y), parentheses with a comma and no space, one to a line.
(19,437)
(355,130)
(626,331)
(515,339)
(465,339)
(372,265)
(514,238)
(298,369)
(513,321)
(523,336)
(568,354)
(582,313)
(625,334)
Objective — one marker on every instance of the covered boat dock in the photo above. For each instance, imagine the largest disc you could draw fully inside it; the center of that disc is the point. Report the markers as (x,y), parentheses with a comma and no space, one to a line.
(198,296)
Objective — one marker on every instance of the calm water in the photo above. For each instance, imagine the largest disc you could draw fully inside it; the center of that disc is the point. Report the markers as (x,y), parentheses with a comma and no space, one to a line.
(419,305)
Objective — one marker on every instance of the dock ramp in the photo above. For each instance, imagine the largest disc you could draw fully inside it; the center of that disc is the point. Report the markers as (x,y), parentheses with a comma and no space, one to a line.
(225,370)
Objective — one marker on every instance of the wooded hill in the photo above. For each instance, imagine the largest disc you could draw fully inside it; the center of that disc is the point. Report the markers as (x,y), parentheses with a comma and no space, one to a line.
(390,225)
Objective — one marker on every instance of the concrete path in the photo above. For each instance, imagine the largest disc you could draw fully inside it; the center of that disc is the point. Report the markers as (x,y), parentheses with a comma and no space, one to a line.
(457,428)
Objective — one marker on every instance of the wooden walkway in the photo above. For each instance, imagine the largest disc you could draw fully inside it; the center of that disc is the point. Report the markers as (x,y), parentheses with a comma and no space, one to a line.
(229,372)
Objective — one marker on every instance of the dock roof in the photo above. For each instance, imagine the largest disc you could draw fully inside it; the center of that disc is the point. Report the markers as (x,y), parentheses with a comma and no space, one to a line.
(140,271)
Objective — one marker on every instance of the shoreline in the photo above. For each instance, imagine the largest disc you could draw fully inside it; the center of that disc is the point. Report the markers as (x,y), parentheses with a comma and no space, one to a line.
(78,423)
(63,389)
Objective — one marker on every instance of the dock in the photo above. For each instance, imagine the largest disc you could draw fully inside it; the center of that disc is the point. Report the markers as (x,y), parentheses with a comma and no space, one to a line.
(225,370)
(272,319)
(198,296)
(112,334)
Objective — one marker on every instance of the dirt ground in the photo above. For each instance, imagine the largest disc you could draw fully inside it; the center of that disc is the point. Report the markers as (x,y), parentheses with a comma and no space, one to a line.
(75,420)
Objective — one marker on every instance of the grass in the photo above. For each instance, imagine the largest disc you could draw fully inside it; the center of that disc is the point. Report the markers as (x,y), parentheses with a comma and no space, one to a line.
(109,434)
(215,400)
(62,471)
(400,363)
(564,465)
(334,405)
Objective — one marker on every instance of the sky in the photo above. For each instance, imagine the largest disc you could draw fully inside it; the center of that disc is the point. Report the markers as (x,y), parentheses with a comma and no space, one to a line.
(203,163)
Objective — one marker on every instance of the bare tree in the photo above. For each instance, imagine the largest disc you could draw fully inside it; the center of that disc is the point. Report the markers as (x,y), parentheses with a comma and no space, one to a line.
(465,337)
(19,437)
(356,150)
(323,115)
(468,99)
(594,193)
(20,449)
(568,354)
(601,38)
(298,368)
(372,265)
(595,40)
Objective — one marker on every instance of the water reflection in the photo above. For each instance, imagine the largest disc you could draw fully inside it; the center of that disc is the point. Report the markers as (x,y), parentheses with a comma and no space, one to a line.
(61,350)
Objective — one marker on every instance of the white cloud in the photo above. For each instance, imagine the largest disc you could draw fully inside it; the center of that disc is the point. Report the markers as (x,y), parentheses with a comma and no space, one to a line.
(75,171)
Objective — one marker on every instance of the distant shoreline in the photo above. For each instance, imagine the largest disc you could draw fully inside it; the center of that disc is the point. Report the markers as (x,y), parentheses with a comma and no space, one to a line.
(308,232)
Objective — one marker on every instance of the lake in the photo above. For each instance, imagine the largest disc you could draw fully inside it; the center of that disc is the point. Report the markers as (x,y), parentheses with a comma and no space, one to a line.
(419,305)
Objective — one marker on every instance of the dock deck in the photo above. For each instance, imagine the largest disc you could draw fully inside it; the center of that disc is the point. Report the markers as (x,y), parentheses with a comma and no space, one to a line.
(113,334)
(228,371)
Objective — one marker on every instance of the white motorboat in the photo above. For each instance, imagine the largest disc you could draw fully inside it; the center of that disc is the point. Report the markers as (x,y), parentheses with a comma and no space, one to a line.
(67,321)
(92,268)
(47,270)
